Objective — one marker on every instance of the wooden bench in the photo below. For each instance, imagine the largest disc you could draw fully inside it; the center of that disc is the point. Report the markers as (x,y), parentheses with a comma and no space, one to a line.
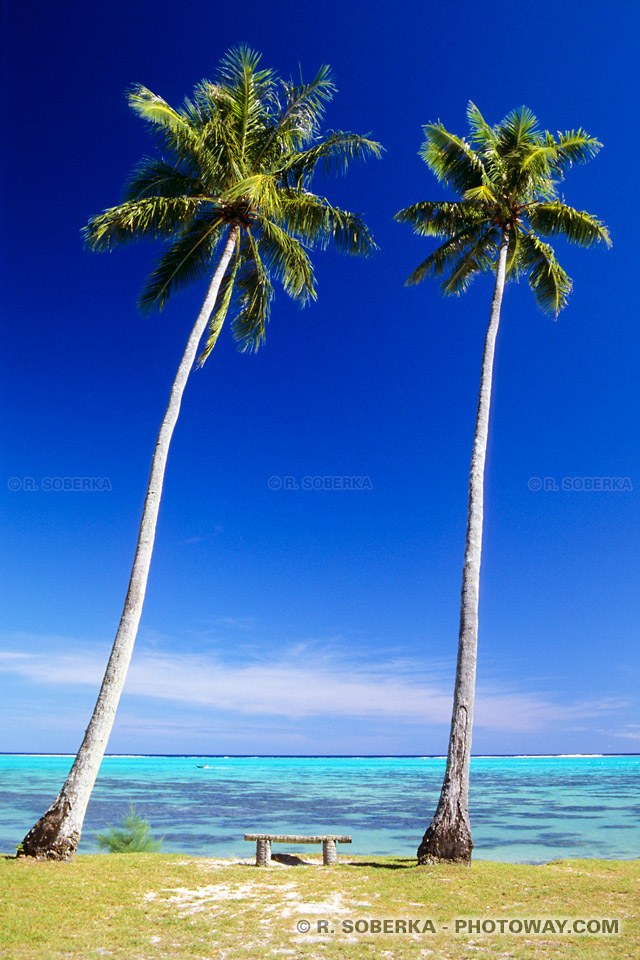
(264,841)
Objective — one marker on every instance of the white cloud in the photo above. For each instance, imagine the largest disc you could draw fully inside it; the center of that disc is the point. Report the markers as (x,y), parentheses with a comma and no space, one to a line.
(298,685)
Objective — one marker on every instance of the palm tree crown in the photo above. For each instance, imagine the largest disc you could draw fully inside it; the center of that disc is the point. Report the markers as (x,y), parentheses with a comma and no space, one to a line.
(241,153)
(507,177)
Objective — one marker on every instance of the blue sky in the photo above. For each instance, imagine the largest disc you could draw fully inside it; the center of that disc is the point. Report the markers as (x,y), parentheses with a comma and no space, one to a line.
(301,620)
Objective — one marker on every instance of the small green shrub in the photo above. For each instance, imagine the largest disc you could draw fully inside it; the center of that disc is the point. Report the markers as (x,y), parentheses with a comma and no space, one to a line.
(133,836)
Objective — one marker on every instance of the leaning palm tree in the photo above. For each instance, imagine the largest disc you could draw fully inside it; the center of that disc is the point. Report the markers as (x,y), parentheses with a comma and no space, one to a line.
(230,192)
(506,179)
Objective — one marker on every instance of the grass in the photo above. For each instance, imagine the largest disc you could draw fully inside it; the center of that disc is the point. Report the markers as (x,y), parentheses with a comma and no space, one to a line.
(153,906)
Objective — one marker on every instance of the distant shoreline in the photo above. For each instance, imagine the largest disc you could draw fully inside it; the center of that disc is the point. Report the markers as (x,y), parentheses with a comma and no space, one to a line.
(329,756)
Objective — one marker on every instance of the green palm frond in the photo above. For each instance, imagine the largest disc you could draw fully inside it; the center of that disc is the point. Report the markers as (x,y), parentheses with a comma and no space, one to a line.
(187,260)
(518,129)
(221,309)
(285,257)
(478,258)
(177,137)
(349,233)
(574,146)
(576,226)
(300,116)
(481,133)
(335,153)
(451,159)
(513,254)
(154,177)
(154,109)
(317,223)
(439,218)
(259,192)
(482,195)
(151,218)
(254,293)
(305,104)
(448,253)
(550,284)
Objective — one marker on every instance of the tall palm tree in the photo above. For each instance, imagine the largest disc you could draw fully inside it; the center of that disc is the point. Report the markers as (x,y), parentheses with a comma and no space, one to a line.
(506,179)
(231,194)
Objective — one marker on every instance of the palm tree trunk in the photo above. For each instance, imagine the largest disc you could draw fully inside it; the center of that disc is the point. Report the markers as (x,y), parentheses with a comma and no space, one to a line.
(448,837)
(56,834)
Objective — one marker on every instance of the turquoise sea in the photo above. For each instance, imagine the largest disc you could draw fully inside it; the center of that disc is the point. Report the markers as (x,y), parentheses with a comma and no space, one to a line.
(523,809)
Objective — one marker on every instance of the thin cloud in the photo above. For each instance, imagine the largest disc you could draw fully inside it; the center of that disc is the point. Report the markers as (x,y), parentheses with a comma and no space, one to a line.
(297,686)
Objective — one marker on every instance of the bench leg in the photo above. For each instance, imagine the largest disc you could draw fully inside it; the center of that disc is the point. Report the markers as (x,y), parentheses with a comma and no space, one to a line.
(263,853)
(329,853)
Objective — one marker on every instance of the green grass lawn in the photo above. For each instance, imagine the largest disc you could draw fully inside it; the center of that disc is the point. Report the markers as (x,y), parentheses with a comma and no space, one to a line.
(151,906)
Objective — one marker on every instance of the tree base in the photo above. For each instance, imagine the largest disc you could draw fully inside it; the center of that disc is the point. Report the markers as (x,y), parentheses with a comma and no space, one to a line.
(448,839)
(46,840)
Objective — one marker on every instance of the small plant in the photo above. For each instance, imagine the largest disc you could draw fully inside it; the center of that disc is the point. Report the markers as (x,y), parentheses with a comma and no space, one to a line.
(134,836)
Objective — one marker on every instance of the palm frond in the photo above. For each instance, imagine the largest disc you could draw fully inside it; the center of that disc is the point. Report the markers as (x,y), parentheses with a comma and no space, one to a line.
(257,191)
(305,104)
(285,257)
(152,108)
(550,284)
(300,116)
(252,92)
(154,177)
(448,253)
(439,218)
(577,226)
(451,159)
(481,133)
(574,146)
(482,195)
(478,258)
(151,218)
(221,309)
(187,260)
(335,152)
(513,253)
(254,293)
(176,134)
(318,223)
(518,129)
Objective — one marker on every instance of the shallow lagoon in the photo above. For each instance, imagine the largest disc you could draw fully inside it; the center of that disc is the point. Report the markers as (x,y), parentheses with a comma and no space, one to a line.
(523,809)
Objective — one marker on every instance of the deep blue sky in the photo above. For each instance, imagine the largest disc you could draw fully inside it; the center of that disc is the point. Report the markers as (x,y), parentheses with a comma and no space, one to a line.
(302,621)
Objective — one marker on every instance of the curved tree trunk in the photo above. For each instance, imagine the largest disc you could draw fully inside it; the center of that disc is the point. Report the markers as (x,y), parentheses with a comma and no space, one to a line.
(56,834)
(448,837)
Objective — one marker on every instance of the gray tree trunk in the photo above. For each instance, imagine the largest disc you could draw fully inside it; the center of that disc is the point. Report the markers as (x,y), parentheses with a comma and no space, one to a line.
(56,834)
(448,836)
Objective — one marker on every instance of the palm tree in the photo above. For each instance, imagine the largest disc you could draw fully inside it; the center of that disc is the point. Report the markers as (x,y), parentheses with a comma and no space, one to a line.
(506,179)
(231,194)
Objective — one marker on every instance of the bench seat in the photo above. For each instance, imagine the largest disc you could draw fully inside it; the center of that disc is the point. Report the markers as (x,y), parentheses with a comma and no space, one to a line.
(264,841)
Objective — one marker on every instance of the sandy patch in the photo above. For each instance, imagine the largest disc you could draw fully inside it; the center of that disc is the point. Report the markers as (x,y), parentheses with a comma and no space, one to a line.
(192,901)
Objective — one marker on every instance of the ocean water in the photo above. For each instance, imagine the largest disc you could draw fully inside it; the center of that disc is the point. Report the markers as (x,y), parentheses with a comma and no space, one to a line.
(523,809)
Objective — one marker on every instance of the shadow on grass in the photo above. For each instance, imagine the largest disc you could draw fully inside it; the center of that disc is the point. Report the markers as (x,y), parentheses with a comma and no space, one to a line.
(405,864)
